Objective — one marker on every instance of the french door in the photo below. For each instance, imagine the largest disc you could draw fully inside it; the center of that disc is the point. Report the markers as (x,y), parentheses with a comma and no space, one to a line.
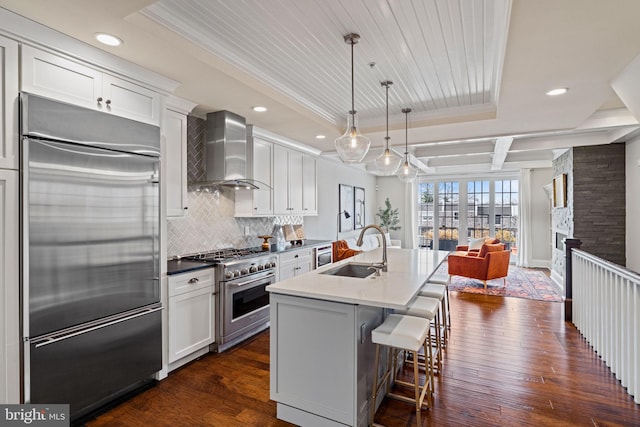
(462,210)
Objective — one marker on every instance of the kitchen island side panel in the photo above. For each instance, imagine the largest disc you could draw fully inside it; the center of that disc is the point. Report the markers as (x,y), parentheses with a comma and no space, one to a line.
(321,364)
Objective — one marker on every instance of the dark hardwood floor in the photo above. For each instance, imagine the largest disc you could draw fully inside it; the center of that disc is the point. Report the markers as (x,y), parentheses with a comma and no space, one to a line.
(510,362)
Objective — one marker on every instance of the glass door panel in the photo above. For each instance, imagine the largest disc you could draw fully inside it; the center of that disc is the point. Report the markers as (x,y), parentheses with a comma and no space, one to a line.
(448,215)
(506,213)
(478,209)
(425,214)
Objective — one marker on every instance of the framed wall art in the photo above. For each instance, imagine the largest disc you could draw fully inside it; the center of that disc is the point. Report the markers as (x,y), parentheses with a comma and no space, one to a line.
(560,191)
(346,204)
(358,208)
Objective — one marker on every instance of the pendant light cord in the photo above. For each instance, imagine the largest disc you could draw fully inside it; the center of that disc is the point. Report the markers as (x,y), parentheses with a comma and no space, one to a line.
(386,139)
(353,107)
(406,135)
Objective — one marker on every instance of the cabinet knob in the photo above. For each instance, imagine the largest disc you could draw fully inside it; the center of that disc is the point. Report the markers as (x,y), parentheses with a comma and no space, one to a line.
(186,207)
(108,102)
(99,99)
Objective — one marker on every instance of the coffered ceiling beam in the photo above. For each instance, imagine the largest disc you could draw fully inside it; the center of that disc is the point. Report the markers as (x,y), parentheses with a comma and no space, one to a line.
(502,146)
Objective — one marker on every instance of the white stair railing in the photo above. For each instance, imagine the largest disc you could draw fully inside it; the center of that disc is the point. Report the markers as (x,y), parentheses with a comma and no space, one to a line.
(606,311)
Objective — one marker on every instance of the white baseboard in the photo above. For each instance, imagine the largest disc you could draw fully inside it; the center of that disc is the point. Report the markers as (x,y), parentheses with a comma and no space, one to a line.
(541,263)
(557,279)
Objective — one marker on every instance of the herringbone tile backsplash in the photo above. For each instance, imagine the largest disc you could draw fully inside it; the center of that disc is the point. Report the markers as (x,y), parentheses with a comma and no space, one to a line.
(209,222)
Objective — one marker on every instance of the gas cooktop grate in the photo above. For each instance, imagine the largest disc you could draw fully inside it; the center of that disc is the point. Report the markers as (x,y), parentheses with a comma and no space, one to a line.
(227,254)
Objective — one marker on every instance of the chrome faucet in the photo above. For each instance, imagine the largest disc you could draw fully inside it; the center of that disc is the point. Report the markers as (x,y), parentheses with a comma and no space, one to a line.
(383,264)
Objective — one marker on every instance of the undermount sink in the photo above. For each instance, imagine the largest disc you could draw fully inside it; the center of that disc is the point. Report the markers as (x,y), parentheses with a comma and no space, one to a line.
(352,270)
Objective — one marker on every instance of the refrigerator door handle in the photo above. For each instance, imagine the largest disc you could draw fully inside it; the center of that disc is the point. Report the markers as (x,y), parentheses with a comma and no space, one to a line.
(44,341)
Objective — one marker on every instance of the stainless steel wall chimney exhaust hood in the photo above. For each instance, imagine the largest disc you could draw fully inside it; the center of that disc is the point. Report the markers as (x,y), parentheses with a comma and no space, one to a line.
(226,152)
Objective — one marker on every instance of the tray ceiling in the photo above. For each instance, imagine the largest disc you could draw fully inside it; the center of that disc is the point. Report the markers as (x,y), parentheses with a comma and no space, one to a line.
(475,72)
(444,57)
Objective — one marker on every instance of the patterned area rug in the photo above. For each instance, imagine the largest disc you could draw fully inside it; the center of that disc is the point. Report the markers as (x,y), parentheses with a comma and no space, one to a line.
(529,283)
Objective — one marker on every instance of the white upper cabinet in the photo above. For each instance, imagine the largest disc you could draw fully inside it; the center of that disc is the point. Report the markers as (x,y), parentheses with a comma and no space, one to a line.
(174,155)
(289,175)
(280,180)
(130,100)
(8,104)
(262,171)
(294,183)
(309,186)
(59,78)
(260,165)
(174,129)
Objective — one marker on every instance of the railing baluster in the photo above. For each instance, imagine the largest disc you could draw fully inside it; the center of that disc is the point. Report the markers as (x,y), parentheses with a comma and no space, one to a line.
(606,311)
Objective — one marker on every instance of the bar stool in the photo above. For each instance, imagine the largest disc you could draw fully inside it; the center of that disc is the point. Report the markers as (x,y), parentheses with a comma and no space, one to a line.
(440,292)
(402,333)
(428,308)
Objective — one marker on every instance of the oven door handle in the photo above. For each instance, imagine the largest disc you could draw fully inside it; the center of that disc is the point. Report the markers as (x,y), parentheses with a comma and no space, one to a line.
(240,284)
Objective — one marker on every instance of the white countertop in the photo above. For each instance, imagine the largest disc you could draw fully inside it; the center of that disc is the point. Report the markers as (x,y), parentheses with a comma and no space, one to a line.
(408,270)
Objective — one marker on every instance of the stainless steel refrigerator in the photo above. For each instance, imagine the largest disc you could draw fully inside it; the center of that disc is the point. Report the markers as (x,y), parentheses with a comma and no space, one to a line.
(90,254)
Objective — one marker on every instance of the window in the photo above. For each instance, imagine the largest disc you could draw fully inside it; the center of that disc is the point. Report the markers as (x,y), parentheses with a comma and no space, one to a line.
(506,209)
(478,209)
(484,207)
(425,214)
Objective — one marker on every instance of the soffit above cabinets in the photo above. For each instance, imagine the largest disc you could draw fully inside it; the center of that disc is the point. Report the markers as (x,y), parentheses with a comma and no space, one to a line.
(444,57)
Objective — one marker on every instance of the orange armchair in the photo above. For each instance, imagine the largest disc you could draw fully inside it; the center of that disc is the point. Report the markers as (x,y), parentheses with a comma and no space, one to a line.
(465,248)
(342,251)
(492,262)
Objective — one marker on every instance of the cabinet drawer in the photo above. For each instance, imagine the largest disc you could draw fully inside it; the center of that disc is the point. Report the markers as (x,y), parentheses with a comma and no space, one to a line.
(192,281)
(294,255)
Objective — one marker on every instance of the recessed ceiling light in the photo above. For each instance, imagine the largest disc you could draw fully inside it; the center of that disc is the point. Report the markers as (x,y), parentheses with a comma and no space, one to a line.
(108,39)
(259,109)
(558,91)
(320,137)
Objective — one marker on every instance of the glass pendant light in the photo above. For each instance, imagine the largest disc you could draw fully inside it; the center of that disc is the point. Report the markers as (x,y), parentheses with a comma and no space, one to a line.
(352,146)
(407,173)
(388,162)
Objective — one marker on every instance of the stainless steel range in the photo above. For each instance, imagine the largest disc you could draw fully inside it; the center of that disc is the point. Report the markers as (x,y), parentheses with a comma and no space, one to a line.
(243,304)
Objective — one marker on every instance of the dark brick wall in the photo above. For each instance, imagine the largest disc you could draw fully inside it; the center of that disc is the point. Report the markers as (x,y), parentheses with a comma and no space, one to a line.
(599,200)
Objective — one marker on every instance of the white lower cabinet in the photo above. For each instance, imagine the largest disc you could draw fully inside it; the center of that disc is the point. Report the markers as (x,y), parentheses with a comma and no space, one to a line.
(294,263)
(191,313)
(322,360)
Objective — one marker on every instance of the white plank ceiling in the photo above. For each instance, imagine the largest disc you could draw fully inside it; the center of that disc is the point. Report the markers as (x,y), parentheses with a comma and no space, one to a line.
(475,72)
(443,56)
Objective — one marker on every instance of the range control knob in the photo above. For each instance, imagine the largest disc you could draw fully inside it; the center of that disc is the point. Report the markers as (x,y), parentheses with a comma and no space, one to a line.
(260,267)
(244,270)
(272,264)
(253,269)
(228,274)
(236,273)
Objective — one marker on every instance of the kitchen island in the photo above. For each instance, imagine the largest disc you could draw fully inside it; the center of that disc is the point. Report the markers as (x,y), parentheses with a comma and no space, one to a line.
(321,351)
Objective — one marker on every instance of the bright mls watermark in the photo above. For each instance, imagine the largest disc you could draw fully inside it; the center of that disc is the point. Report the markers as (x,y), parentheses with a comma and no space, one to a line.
(34,415)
